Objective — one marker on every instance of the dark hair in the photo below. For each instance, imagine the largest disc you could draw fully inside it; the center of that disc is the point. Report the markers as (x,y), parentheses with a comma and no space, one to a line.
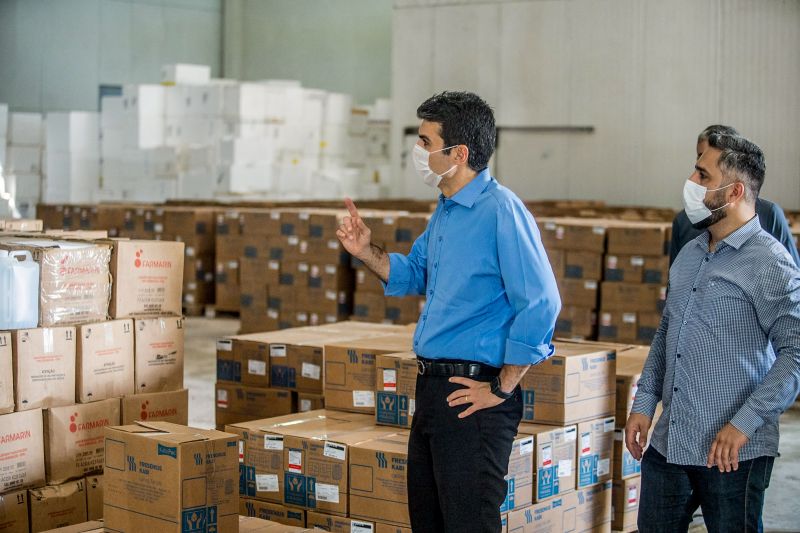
(718,129)
(740,160)
(464,118)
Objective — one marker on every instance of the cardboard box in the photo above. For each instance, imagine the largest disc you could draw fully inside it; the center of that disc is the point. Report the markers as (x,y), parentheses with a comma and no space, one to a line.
(73,443)
(350,380)
(104,360)
(558,259)
(595,452)
(14,512)
(148,278)
(590,509)
(22,450)
(625,504)
(588,235)
(633,297)
(389,528)
(92,526)
(171,406)
(575,384)
(554,466)
(576,323)
(630,364)
(628,327)
(44,367)
(542,517)
(337,524)
(637,269)
(159,354)
(165,476)
(583,265)
(579,292)
(237,403)
(6,373)
(625,466)
(309,402)
(250,524)
(639,238)
(94,497)
(396,384)
(261,444)
(244,359)
(273,512)
(367,282)
(316,473)
(520,474)
(378,489)
(57,506)
(75,282)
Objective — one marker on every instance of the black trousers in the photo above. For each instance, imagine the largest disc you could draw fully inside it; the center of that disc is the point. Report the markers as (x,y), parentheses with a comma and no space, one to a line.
(456,467)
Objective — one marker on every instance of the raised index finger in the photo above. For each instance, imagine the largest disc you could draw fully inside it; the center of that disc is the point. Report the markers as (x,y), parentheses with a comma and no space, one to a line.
(351,207)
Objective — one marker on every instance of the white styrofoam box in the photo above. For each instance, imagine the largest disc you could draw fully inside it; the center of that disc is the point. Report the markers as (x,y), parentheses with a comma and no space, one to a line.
(239,179)
(144,99)
(295,176)
(75,131)
(245,130)
(166,189)
(203,100)
(302,137)
(185,73)
(112,114)
(175,100)
(112,142)
(359,117)
(378,138)
(21,185)
(24,158)
(135,167)
(357,152)
(3,121)
(71,177)
(2,155)
(25,129)
(105,194)
(338,107)
(197,184)
(314,106)
(381,110)
(378,171)
(161,161)
(188,130)
(245,101)
(144,131)
(247,150)
(197,157)
(335,140)
(112,169)
(332,163)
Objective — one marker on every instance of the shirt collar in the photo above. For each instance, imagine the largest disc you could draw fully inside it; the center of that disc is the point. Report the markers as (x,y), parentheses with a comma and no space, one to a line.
(470,192)
(735,239)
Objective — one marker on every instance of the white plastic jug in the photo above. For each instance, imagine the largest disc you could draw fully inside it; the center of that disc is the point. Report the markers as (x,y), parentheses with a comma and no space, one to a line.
(19,290)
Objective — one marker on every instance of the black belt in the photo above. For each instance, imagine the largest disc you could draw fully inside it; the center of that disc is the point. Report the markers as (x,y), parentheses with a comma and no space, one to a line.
(448,368)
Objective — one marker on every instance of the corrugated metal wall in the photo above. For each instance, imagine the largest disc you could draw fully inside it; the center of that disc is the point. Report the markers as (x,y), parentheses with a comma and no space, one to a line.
(646,75)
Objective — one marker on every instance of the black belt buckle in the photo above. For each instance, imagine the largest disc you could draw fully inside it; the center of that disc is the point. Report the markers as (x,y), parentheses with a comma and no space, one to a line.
(420,367)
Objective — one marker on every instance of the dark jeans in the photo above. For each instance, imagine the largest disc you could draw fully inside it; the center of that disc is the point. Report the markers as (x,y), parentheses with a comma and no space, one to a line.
(456,467)
(731,501)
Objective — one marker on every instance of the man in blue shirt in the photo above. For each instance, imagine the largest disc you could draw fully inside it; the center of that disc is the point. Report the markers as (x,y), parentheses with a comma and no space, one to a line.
(491,308)
(769,214)
(725,360)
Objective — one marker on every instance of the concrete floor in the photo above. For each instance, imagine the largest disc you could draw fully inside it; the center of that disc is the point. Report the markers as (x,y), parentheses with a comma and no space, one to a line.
(781,510)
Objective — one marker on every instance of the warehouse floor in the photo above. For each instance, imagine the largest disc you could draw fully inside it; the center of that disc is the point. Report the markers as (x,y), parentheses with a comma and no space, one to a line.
(780,512)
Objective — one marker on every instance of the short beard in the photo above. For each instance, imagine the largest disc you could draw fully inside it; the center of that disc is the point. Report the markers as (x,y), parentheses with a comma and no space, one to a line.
(716,216)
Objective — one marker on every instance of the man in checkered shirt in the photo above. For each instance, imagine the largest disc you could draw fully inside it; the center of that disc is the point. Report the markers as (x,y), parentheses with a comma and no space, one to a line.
(725,361)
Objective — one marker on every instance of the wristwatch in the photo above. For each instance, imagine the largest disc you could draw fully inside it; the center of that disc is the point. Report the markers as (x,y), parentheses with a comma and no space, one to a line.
(497,391)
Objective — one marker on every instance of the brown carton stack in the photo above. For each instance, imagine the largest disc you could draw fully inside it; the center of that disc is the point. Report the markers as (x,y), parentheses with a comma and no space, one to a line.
(575,248)
(57,506)
(228,252)
(196,228)
(636,275)
(260,266)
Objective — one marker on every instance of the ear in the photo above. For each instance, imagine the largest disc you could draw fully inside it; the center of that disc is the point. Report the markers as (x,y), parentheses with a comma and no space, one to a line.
(738,192)
(462,154)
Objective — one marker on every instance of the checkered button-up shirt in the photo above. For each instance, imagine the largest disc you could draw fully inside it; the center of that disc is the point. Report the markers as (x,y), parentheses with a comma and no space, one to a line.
(727,349)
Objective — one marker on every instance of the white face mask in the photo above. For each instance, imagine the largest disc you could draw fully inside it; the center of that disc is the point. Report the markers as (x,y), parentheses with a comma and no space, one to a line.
(421,156)
(694,196)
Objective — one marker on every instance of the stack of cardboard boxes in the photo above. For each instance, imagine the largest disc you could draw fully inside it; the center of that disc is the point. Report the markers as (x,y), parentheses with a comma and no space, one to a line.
(102,354)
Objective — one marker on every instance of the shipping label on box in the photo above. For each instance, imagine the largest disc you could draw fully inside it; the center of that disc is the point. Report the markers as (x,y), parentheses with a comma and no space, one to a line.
(171,406)
(14,512)
(159,354)
(75,281)
(350,380)
(6,373)
(520,474)
(158,473)
(74,438)
(378,488)
(309,402)
(94,497)
(338,524)
(396,384)
(58,506)
(595,452)
(625,503)
(44,367)
(554,461)
(575,384)
(22,450)
(274,512)
(148,278)
(237,403)
(105,360)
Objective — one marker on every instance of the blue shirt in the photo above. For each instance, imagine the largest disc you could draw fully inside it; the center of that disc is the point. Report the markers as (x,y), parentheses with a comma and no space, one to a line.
(727,349)
(491,294)
(770,215)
